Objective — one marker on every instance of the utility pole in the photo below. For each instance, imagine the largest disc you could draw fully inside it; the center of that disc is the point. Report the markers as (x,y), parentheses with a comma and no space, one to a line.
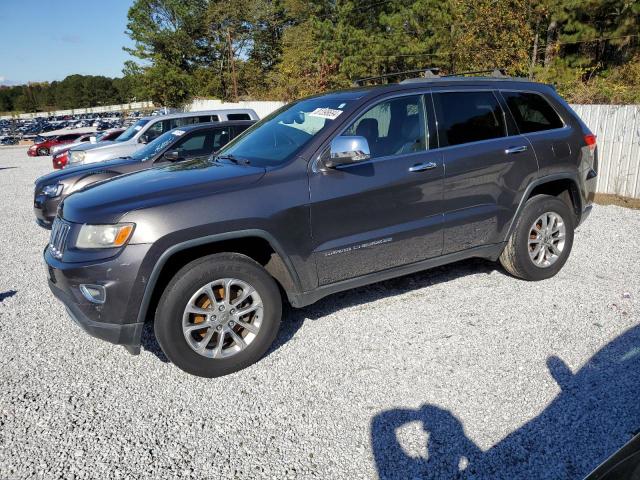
(233,67)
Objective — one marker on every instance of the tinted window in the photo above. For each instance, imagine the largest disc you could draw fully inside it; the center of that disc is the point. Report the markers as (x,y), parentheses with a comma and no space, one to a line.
(532,112)
(200,143)
(392,127)
(465,117)
(221,137)
(207,118)
(157,129)
(238,116)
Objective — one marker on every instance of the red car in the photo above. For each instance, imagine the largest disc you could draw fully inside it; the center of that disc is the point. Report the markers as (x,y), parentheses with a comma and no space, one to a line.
(61,157)
(43,148)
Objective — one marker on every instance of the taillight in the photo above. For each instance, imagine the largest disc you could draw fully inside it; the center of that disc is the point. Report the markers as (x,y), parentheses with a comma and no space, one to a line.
(590,140)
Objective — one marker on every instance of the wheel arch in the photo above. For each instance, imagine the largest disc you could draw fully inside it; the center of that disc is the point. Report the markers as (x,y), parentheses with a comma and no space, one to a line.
(256,244)
(561,185)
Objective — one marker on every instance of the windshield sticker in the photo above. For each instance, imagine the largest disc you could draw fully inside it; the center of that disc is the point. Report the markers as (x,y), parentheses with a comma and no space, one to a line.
(178,132)
(329,113)
(341,106)
(137,127)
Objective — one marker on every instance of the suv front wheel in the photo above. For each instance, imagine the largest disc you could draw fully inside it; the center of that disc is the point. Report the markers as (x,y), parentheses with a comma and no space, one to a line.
(219,314)
(541,239)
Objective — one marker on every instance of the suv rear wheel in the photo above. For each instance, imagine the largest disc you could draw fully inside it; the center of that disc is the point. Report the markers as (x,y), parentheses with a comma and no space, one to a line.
(541,239)
(219,314)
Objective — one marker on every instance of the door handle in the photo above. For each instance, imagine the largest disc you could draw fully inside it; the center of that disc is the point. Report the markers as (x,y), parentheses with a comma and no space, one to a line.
(421,167)
(521,148)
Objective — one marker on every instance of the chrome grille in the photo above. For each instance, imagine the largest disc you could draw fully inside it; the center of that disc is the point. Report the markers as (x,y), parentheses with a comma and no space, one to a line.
(58,240)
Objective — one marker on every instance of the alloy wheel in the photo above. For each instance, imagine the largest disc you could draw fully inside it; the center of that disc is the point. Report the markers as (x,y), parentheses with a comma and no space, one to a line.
(222,318)
(546,239)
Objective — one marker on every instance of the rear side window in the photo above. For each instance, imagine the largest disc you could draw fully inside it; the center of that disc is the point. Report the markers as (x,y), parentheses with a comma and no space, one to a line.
(238,116)
(465,117)
(208,118)
(532,112)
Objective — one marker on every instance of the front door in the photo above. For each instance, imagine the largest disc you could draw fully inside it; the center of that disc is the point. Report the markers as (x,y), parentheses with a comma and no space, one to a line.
(386,211)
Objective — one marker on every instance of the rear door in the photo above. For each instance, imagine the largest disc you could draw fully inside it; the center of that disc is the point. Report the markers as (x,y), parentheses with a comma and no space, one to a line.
(386,211)
(539,122)
(487,166)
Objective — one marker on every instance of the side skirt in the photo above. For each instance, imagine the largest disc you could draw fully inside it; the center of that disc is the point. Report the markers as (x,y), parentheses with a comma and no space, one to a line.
(490,252)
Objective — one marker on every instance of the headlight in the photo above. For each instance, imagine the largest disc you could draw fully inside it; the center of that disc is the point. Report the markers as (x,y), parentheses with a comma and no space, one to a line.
(104,236)
(77,157)
(52,191)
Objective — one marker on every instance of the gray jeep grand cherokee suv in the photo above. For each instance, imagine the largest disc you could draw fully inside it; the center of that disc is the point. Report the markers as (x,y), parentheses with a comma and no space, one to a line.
(328,193)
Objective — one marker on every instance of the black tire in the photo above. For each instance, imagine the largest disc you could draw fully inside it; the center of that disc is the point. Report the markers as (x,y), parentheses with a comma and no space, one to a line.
(168,318)
(515,257)
(42,151)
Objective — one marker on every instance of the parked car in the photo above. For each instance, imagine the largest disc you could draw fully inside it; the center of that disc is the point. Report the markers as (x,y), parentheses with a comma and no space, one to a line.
(147,129)
(60,156)
(186,143)
(85,137)
(44,147)
(326,194)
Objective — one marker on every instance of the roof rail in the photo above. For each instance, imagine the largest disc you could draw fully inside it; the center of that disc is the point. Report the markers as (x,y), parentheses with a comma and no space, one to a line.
(496,72)
(426,72)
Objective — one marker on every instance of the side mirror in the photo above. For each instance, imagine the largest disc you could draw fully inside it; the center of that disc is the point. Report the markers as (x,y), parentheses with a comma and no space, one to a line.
(171,156)
(347,150)
(144,138)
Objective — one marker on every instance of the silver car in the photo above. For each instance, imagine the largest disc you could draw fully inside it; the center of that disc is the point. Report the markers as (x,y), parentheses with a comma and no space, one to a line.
(147,129)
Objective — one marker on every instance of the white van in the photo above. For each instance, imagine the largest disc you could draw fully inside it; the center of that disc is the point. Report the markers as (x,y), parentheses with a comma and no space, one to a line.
(147,129)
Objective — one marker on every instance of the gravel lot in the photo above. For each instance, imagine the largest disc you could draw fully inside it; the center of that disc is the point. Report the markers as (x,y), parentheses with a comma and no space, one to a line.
(417,377)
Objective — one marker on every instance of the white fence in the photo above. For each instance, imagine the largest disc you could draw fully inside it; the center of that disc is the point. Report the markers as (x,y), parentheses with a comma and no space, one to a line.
(618,130)
(261,108)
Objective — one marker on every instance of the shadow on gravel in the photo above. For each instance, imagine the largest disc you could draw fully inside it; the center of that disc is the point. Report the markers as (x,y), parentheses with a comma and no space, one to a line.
(149,342)
(595,413)
(293,318)
(7,294)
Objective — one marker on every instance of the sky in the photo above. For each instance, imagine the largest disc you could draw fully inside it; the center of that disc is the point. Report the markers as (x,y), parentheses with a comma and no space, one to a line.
(45,40)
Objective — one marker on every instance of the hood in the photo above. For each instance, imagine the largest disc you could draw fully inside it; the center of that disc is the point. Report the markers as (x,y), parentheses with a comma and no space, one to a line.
(108,201)
(80,171)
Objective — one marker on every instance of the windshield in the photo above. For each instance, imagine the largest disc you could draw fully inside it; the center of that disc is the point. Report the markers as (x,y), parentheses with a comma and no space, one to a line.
(282,134)
(151,149)
(130,132)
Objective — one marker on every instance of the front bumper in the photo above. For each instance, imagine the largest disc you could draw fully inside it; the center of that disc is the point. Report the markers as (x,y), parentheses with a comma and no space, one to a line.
(127,335)
(115,320)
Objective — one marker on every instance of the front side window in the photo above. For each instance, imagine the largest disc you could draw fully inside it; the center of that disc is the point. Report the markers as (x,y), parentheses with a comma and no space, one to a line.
(465,117)
(532,112)
(198,144)
(392,127)
(157,129)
